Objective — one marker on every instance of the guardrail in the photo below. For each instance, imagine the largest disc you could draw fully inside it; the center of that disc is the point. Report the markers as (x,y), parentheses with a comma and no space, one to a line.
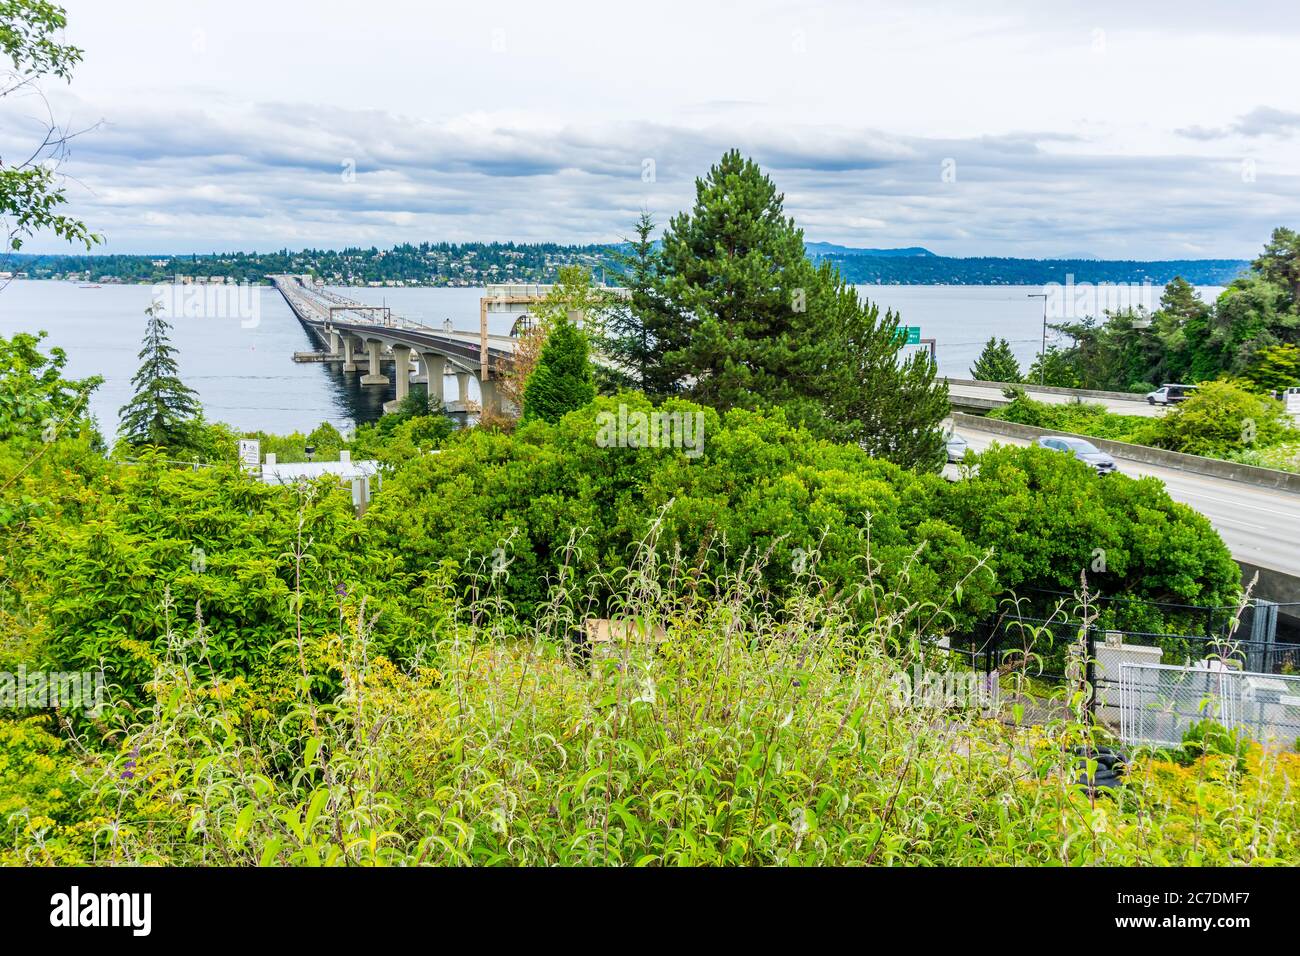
(1196,464)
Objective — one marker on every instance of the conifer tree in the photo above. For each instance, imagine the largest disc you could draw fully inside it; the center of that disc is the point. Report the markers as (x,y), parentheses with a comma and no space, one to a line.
(562,380)
(163,410)
(743,319)
(996,363)
(635,327)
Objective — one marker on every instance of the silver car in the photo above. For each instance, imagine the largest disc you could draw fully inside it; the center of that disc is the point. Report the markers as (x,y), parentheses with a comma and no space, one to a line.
(956,446)
(1085,451)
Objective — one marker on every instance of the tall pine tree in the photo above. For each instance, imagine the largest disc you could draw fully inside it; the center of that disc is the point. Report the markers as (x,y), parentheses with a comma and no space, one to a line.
(163,410)
(736,279)
(997,363)
(745,320)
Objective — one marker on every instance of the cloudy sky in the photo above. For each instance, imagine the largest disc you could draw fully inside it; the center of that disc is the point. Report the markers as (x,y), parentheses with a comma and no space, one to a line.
(1109,129)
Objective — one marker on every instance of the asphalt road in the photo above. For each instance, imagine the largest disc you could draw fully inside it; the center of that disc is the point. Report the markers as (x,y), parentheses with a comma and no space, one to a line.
(1116,405)
(1259,525)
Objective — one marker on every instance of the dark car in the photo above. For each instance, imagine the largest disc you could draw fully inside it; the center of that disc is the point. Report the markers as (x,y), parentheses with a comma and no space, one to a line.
(1085,451)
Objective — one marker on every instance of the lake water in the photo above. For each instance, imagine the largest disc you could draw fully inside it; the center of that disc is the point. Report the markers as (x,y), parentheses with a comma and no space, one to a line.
(245,375)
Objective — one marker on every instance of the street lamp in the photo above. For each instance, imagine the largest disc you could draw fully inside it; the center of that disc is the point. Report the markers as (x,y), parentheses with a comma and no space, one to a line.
(1042,354)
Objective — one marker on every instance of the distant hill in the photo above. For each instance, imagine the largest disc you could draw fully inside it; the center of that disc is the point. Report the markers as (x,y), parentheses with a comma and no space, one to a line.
(943,270)
(826,250)
(481,263)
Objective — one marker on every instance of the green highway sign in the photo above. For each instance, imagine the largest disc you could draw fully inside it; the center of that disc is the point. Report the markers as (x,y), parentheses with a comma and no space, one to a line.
(910,334)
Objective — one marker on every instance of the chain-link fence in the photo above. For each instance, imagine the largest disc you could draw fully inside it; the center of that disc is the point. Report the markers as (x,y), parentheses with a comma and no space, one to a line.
(1159,703)
(1039,662)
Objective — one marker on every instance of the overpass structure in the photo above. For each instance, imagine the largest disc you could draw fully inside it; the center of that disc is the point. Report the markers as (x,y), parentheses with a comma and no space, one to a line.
(362,336)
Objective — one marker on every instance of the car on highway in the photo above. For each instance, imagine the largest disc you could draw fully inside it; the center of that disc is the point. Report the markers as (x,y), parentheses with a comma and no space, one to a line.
(1085,451)
(957,446)
(1170,394)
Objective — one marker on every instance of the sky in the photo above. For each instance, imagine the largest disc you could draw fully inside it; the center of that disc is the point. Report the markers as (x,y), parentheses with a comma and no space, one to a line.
(1103,129)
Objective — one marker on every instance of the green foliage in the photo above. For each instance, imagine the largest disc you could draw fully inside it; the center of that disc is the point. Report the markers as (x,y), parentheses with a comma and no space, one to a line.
(1275,368)
(634,328)
(1048,518)
(164,412)
(996,363)
(1210,737)
(740,318)
(562,380)
(1058,368)
(767,739)
(36,401)
(156,549)
(30,193)
(1079,418)
(1187,340)
(1221,418)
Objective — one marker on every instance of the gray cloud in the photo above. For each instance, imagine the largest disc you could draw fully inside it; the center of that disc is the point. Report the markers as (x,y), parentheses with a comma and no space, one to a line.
(271,175)
(1261,121)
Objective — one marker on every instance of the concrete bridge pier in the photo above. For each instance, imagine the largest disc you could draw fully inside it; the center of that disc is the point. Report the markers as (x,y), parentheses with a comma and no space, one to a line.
(375,376)
(402,370)
(349,353)
(462,382)
(491,398)
(334,342)
(435,371)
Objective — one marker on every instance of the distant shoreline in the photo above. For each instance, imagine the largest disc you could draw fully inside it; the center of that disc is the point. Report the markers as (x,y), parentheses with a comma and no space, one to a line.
(472,265)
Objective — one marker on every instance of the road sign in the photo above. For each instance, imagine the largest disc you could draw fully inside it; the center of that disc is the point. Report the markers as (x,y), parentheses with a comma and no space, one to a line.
(909,334)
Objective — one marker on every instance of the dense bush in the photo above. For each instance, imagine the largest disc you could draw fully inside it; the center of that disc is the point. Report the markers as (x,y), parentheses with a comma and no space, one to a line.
(1048,518)
(1221,418)
(1079,418)
(743,739)
(156,548)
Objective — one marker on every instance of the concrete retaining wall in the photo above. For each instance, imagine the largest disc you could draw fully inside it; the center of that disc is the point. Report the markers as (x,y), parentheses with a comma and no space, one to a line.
(1212,467)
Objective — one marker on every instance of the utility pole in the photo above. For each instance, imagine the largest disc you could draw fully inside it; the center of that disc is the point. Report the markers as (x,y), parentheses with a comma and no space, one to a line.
(1042,354)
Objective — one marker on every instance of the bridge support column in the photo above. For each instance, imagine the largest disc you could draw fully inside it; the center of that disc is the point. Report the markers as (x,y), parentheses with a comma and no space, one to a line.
(491,399)
(435,371)
(402,370)
(349,353)
(334,342)
(375,376)
(462,382)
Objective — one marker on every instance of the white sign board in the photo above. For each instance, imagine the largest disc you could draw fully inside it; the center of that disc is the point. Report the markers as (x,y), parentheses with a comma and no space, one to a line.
(250,453)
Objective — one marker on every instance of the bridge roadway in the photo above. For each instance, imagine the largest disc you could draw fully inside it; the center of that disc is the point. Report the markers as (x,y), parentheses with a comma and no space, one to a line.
(1260,526)
(357,335)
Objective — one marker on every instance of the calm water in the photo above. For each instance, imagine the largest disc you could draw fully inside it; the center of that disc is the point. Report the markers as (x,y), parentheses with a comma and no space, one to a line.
(247,377)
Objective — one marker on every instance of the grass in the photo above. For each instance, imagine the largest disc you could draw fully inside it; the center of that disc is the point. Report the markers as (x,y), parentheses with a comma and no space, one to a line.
(752,735)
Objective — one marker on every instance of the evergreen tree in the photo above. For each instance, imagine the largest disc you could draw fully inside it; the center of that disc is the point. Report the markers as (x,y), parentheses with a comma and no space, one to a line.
(996,363)
(736,282)
(634,327)
(865,395)
(745,320)
(562,380)
(163,410)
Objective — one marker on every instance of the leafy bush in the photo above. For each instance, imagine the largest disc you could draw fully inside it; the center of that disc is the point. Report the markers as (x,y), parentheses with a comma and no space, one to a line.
(1048,519)
(1221,418)
(1079,418)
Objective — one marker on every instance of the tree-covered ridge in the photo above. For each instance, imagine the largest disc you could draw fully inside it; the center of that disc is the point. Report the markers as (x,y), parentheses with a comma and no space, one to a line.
(479,263)
(1251,331)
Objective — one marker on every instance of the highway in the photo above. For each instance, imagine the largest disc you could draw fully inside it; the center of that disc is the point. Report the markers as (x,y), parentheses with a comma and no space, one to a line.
(991,395)
(1259,525)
